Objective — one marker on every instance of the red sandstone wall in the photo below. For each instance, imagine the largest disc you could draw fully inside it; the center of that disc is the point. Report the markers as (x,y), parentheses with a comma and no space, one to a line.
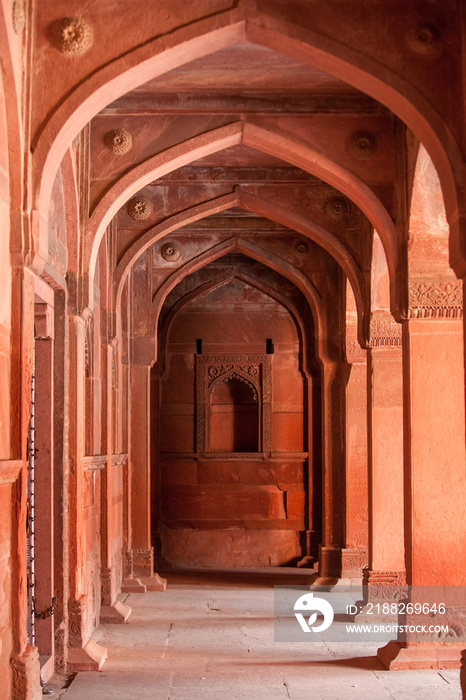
(233,510)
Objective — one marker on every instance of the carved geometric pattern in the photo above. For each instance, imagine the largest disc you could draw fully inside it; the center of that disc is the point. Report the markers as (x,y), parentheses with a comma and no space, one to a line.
(73,36)
(119,141)
(255,370)
(354,352)
(436,300)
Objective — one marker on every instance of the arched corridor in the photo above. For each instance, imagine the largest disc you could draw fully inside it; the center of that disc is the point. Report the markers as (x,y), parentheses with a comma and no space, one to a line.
(232,252)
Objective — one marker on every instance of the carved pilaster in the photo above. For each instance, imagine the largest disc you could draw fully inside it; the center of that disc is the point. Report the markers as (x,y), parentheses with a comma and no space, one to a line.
(436,300)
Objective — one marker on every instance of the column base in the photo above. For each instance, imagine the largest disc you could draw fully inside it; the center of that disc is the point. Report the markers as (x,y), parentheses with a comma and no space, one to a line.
(329,562)
(154,583)
(132,585)
(91,658)
(118,613)
(397,656)
(26,675)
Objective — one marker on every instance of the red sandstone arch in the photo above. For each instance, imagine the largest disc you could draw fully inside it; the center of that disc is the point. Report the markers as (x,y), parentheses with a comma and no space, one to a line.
(258,206)
(11,88)
(224,29)
(273,143)
(256,253)
(220,281)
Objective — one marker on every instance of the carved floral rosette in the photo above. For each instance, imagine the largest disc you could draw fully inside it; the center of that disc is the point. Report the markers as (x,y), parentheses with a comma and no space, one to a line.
(436,300)
(73,36)
(119,141)
(255,370)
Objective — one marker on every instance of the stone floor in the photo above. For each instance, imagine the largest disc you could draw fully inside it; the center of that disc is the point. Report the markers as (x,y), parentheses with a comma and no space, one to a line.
(211,636)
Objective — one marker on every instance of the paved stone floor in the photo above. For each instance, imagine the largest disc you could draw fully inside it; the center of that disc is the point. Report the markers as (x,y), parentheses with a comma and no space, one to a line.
(210,637)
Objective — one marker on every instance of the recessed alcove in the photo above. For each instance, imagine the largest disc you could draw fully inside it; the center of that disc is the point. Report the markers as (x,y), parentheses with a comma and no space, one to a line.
(234,417)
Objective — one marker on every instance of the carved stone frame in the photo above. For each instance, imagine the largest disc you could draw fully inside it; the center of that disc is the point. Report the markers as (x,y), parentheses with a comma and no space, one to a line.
(253,369)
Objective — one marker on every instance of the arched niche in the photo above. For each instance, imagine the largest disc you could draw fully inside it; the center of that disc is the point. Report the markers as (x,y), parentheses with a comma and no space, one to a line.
(234,415)
(216,376)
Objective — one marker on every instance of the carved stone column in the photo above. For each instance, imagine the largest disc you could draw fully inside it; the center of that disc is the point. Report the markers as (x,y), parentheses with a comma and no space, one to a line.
(435,501)
(354,558)
(386,566)
(142,556)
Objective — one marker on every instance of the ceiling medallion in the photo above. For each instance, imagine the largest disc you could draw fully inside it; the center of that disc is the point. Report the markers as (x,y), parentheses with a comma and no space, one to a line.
(140,208)
(170,252)
(301,247)
(425,39)
(362,145)
(119,141)
(73,36)
(17,17)
(337,208)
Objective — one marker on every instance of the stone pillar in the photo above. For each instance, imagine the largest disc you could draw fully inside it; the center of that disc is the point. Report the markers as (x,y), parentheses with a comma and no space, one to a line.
(386,506)
(355,555)
(333,481)
(84,654)
(385,445)
(24,659)
(434,458)
(44,487)
(142,558)
(112,610)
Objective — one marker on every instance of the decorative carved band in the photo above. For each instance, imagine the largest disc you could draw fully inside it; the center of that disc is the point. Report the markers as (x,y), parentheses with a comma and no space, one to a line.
(385,332)
(353,561)
(436,300)
(385,585)
(255,370)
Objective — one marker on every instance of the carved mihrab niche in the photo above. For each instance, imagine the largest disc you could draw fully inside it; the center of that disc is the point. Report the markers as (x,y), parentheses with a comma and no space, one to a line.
(255,370)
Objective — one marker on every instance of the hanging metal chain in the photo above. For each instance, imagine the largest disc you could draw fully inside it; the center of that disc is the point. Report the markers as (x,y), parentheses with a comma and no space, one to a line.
(46,613)
(30,553)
